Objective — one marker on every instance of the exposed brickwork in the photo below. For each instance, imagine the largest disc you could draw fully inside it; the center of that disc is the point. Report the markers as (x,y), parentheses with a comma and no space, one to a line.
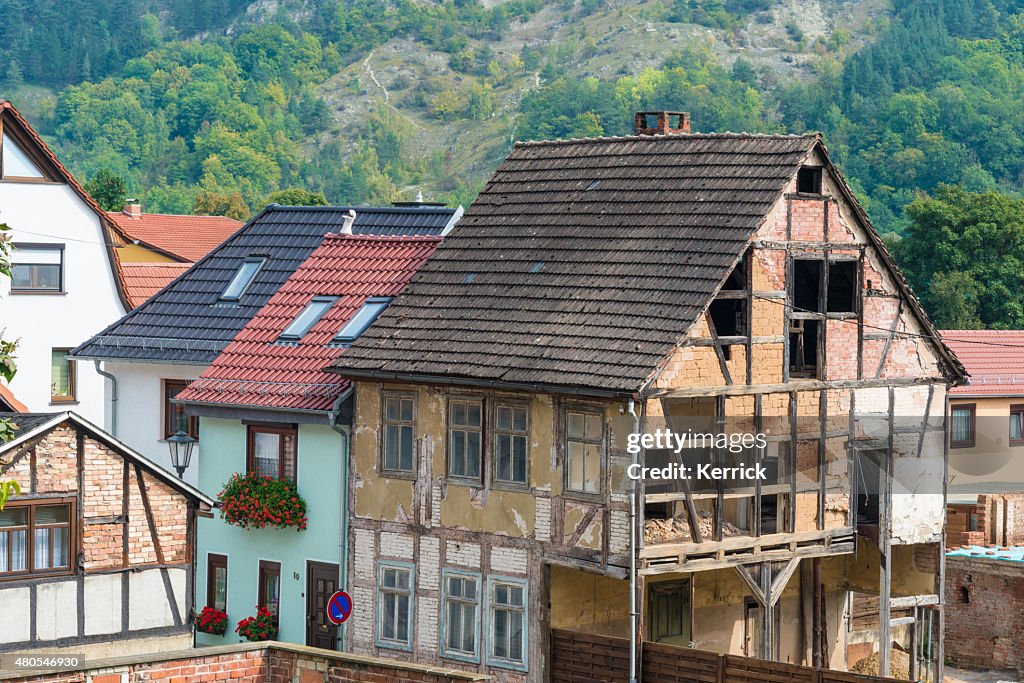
(984,604)
(57,462)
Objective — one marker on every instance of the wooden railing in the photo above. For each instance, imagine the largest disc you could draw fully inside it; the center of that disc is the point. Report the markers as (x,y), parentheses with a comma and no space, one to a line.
(587,658)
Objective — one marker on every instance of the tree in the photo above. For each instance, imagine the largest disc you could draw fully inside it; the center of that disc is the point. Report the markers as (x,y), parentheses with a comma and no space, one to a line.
(295,196)
(8,487)
(212,203)
(108,189)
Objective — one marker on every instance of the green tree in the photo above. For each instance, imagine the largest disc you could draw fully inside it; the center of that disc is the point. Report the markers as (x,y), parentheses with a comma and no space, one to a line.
(107,188)
(295,196)
(230,204)
(8,487)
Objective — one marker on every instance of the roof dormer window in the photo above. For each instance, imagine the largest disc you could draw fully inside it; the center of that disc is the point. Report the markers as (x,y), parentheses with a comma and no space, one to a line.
(243,278)
(309,316)
(15,163)
(363,318)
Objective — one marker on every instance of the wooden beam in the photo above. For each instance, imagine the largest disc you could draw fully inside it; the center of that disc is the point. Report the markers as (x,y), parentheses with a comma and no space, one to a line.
(687,494)
(711,563)
(740,542)
(780,580)
(914,601)
(796,385)
(722,364)
(755,587)
(888,341)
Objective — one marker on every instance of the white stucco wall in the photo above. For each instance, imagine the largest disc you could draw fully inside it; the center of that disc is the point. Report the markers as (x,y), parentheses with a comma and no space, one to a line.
(139,409)
(51,213)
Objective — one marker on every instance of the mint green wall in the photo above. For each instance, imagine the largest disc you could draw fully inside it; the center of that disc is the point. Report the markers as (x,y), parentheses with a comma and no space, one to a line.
(320,460)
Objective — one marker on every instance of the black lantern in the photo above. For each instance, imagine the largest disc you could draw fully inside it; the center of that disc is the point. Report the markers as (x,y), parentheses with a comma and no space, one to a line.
(181,445)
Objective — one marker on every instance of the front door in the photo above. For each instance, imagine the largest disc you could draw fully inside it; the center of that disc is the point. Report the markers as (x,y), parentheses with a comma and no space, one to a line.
(321,582)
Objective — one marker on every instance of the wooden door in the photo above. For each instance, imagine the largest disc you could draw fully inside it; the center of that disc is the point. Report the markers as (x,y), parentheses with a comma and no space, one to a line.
(321,582)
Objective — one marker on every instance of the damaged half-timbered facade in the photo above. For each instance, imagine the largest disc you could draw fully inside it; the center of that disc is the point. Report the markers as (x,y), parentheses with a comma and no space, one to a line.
(599,288)
(96,552)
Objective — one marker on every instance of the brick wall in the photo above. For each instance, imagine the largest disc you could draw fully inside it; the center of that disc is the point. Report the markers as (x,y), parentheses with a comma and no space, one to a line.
(252,663)
(984,604)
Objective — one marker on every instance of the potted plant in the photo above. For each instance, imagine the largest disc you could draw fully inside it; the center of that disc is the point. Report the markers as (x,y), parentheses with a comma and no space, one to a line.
(212,621)
(259,627)
(256,501)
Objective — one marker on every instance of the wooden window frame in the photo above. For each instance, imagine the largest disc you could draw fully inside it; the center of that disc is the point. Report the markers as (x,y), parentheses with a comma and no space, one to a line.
(682,587)
(216,561)
(30,560)
(72,378)
(268,568)
(49,246)
(602,442)
(378,629)
(282,431)
(481,432)
(493,442)
(476,604)
(492,605)
(964,443)
(1017,409)
(384,422)
(168,409)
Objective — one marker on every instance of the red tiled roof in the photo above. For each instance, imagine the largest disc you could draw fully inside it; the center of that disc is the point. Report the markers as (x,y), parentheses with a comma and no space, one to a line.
(994,359)
(255,370)
(8,400)
(188,238)
(143,280)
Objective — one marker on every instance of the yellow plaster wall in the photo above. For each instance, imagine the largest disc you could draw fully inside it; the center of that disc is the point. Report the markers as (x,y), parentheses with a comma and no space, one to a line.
(589,602)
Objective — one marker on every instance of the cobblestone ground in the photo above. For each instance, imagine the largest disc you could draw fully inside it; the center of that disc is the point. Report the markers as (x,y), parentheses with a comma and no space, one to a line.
(953,675)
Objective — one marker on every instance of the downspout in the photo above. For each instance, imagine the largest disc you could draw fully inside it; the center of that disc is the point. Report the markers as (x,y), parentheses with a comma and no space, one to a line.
(633,614)
(343,504)
(113,395)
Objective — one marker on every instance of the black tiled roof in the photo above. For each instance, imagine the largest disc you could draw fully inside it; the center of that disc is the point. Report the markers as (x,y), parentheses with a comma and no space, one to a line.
(582,262)
(26,422)
(186,322)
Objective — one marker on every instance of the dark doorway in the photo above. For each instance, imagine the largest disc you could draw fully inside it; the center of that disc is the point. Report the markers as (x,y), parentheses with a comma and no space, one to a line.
(321,583)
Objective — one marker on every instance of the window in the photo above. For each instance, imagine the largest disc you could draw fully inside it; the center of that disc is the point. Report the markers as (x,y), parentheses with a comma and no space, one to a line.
(272,451)
(175,419)
(806,285)
(35,538)
(670,612)
(808,180)
(243,278)
(37,268)
(803,348)
(511,438)
(399,431)
(16,164)
(584,448)
(309,316)
(508,623)
(464,438)
(394,608)
(461,609)
(962,425)
(362,319)
(842,287)
(270,589)
(217,581)
(62,376)
(1017,424)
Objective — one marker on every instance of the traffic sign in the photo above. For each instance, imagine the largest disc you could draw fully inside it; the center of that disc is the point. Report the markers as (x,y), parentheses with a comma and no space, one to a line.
(339,607)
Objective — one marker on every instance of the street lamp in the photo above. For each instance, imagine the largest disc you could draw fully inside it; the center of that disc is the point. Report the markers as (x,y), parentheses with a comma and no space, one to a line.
(181,445)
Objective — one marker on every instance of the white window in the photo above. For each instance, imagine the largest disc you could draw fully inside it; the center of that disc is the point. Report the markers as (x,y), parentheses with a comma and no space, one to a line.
(37,268)
(464,437)
(399,431)
(394,606)
(584,451)
(461,610)
(511,438)
(507,623)
(309,316)
(16,163)
(243,278)
(361,320)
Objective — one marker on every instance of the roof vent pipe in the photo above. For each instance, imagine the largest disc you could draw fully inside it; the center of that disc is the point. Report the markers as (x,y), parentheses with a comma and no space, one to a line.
(350,219)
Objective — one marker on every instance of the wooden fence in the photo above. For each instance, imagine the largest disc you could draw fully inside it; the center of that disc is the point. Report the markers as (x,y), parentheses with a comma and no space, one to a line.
(587,658)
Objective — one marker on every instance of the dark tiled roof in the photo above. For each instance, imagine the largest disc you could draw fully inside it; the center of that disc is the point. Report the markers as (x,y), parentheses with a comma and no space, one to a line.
(26,422)
(582,262)
(186,322)
(256,370)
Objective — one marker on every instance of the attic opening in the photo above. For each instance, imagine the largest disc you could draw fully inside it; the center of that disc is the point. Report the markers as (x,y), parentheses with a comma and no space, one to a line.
(806,287)
(842,287)
(729,311)
(808,180)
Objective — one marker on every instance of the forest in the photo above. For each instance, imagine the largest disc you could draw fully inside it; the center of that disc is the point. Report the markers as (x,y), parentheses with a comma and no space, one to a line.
(194,112)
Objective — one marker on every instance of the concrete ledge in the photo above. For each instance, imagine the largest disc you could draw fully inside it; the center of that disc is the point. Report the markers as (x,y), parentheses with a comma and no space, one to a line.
(118,664)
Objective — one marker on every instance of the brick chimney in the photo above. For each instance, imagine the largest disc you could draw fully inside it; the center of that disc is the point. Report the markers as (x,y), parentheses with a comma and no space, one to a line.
(132,208)
(663,122)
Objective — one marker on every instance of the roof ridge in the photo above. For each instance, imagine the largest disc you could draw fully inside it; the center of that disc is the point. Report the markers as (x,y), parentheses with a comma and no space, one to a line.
(728,135)
(383,238)
(364,209)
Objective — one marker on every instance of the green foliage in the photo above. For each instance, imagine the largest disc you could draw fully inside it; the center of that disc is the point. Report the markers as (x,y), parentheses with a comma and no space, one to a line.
(964,255)
(107,188)
(295,196)
(9,487)
(7,368)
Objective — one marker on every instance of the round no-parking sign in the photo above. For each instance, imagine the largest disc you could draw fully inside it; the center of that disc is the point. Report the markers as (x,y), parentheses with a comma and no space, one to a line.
(339,607)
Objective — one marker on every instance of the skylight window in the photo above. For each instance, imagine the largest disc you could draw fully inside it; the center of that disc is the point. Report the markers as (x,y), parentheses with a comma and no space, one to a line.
(469,278)
(309,316)
(243,278)
(16,163)
(362,319)
(536,267)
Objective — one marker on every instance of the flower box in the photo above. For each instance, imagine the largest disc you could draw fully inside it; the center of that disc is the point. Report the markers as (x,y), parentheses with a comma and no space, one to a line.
(212,621)
(256,501)
(259,627)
